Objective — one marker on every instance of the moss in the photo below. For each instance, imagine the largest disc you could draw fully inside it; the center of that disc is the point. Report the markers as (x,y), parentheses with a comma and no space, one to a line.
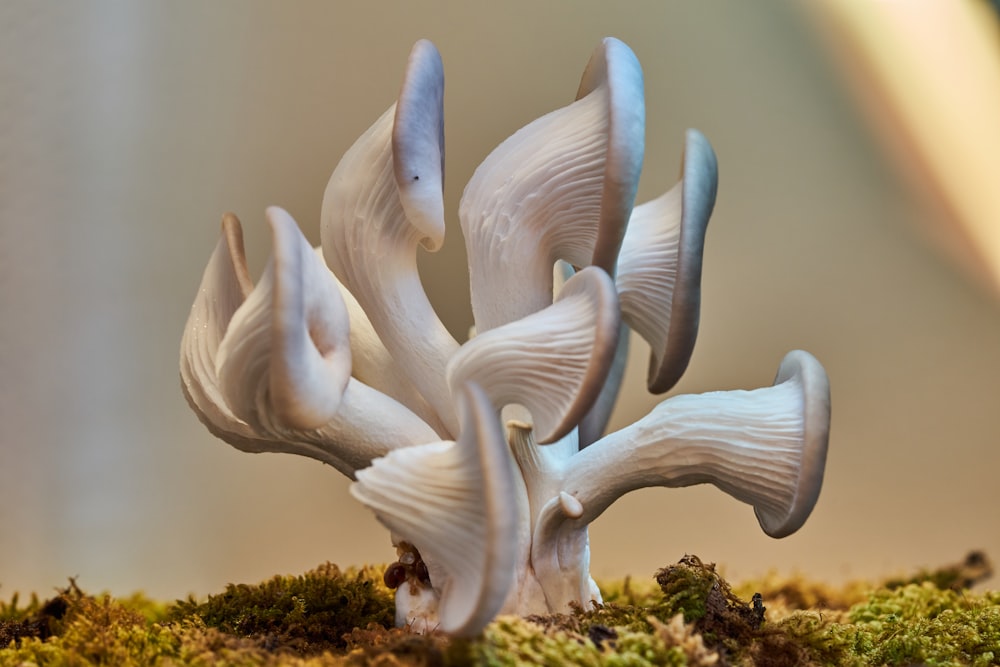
(921,623)
(628,591)
(37,619)
(695,590)
(82,629)
(689,616)
(306,614)
(974,568)
(786,594)
(515,642)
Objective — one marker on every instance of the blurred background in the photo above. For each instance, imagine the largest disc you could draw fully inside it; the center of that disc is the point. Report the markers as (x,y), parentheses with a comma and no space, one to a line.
(127,129)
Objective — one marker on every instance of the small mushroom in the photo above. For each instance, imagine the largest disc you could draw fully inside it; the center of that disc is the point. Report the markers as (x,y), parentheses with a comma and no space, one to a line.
(559,188)
(659,280)
(553,362)
(451,500)
(224,286)
(659,269)
(765,447)
(418,143)
(310,361)
(228,355)
(374,219)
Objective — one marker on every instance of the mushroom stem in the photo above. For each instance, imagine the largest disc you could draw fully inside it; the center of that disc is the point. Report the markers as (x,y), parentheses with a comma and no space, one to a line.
(560,556)
(765,447)
(372,363)
(595,423)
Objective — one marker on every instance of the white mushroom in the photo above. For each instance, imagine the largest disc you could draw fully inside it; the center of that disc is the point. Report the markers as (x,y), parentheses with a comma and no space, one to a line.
(659,279)
(615,67)
(299,309)
(485,460)
(452,501)
(232,345)
(559,188)
(659,268)
(372,364)
(382,202)
(553,362)
(418,143)
(765,447)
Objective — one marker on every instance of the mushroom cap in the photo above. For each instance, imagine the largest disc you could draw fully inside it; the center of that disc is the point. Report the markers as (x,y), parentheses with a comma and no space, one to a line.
(614,64)
(659,267)
(553,362)
(224,287)
(801,367)
(700,184)
(310,362)
(376,215)
(561,187)
(418,143)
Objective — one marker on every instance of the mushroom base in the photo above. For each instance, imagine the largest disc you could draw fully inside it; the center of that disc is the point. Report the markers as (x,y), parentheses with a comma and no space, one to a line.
(571,587)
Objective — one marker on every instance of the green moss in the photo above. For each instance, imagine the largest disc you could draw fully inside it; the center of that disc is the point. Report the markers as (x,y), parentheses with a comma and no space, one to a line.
(306,614)
(515,642)
(628,591)
(974,568)
(81,629)
(686,588)
(921,623)
(691,616)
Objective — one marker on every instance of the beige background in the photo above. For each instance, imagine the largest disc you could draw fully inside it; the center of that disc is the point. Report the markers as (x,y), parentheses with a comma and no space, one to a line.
(126,129)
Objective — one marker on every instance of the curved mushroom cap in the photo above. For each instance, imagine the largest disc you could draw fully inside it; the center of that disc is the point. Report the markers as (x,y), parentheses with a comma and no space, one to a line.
(453,502)
(553,362)
(310,362)
(613,61)
(376,215)
(801,368)
(418,143)
(561,187)
(224,287)
(288,330)
(659,269)
(286,354)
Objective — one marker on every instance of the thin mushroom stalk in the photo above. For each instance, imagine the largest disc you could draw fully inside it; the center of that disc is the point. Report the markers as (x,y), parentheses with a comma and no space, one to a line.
(487,460)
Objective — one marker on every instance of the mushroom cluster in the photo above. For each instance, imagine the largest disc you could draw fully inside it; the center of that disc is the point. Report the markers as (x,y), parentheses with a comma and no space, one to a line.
(487,459)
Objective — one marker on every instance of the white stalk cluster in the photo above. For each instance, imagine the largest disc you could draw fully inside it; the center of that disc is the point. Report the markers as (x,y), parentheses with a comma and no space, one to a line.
(487,460)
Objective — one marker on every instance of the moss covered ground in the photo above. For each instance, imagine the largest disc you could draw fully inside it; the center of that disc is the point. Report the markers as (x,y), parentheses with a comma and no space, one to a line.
(687,614)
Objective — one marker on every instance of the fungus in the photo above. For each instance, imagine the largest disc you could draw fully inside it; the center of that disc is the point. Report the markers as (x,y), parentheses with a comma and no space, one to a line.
(451,497)
(487,460)
(560,188)
(659,279)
